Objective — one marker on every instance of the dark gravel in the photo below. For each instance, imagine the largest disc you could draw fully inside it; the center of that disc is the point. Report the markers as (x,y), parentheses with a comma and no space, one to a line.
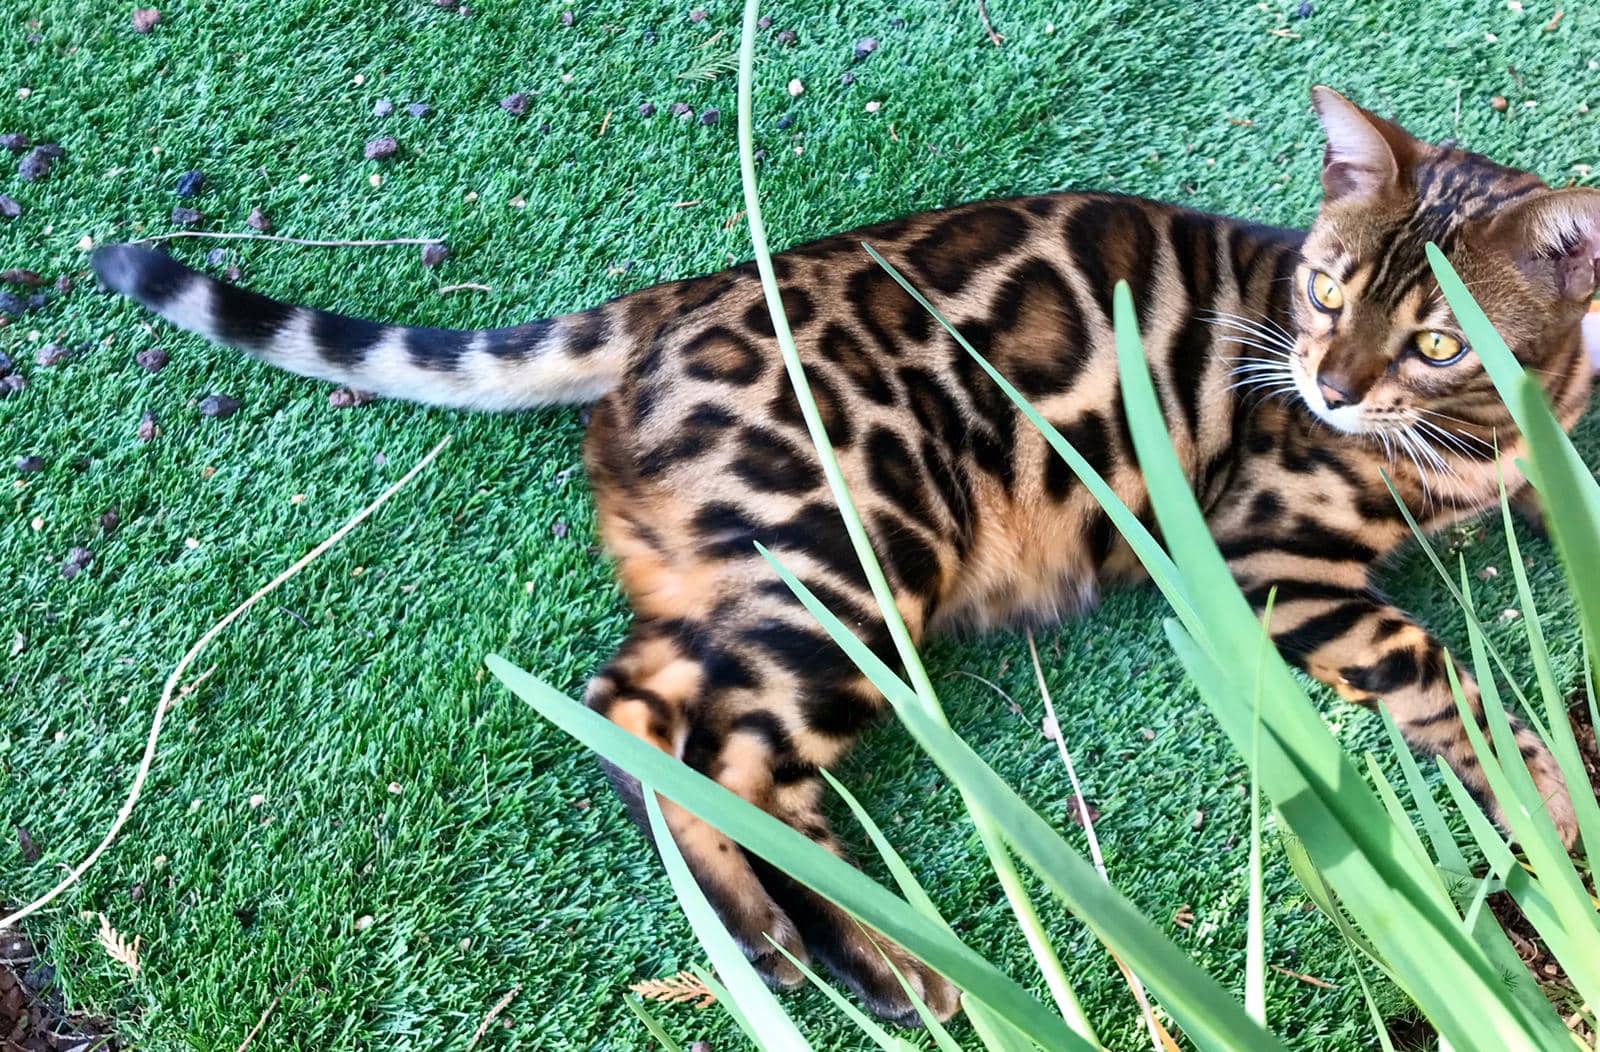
(191,183)
(17,276)
(681,109)
(382,149)
(434,254)
(258,221)
(710,117)
(697,15)
(349,398)
(516,105)
(419,110)
(38,301)
(786,122)
(787,37)
(15,142)
(35,164)
(152,360)
(12,305)
(216,257)
(10,385)
(6,364)
(9,208)
(219,406)
(29,465)
(109,519)
(567,18)
(647,109)
(182,216)
(78,559)
(864,47)
(382,108)
(51,354)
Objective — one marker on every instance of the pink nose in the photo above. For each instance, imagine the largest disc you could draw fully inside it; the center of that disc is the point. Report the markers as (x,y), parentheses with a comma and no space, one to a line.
(1335,393)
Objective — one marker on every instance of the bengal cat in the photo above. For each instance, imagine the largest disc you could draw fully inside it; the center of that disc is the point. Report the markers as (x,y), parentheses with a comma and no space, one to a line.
(696,450)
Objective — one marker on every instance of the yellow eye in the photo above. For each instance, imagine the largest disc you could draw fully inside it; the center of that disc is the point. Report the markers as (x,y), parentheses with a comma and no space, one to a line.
(1438,347)
(1325,293)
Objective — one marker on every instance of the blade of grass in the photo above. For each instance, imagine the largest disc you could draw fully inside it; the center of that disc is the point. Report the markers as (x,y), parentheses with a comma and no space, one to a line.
(788,849)
(1445,848)
(651,1024)
(1255,959)
(880,1037)
(728,1004)
(750,992)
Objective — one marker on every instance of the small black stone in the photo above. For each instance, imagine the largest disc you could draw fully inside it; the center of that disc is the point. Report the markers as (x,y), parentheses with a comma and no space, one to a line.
(785,122)
(647,109)
(152,360)
(381,149)
(419,110)
(12,305)
(681,109)
(231,274)
(35,165)
(51,354)
(29,465)
(10,385)
(219,406)
(516,105)
(77,559)
(258,221)
(216,257)
(544,127)
(38,301)
(63,285)
(191,183)
(648,36)
(109,519)
(50,150)
(182,216)
(1304,9)
(864,47)
(6,364)
(764,22)
(40,976)
(15,142)
(28,279)
(897,23)
(9,209)
(435,253)
(787,37)
(697,15)
(710,117)
(148,427)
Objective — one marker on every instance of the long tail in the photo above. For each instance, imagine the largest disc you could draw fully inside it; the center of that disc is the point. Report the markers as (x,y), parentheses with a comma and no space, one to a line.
(570,358)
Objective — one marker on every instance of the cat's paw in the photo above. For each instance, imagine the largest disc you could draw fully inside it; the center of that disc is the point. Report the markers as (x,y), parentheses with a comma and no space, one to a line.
(1552,788)
(863,959)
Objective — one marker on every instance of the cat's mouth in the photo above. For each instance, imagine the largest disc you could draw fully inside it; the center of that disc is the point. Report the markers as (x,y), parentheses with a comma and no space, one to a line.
(1351,419)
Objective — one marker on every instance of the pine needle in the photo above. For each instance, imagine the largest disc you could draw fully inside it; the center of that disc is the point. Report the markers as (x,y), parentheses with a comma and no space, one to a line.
(118,948)
(676,989)
(714,67)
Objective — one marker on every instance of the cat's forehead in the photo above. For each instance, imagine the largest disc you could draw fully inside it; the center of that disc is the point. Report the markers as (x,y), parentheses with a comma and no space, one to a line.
(1385,240)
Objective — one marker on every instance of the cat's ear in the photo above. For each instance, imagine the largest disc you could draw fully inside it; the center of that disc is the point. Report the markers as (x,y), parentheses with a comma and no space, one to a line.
(1554,238)
(1366,154)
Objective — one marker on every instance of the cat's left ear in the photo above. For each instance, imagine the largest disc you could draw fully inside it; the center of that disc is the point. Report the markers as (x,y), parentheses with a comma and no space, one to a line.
(1554,238)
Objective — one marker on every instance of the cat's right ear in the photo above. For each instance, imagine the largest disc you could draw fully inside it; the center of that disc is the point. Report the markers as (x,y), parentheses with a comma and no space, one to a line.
(1366,154)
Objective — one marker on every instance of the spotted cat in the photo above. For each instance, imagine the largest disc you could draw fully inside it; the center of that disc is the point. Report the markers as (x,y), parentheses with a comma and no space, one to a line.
(1292,366)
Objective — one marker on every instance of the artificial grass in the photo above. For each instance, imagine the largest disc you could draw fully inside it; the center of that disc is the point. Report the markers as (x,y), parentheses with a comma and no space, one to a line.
(503,859)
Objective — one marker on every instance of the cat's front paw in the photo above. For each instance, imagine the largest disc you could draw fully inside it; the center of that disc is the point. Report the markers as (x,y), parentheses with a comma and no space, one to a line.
(1552,788)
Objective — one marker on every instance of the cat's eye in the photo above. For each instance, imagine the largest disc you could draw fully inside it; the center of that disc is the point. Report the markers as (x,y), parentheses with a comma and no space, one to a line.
(1439,348)
(1325,293)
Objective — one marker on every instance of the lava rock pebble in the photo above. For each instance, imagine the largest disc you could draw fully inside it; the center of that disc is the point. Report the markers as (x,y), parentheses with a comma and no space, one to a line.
(191,183)
(148,428)
(382,108)
(12,305)
(647,109)
(710,117)
(6,364)
(1304,9)
(864,47)
(9,209)
(35,165)
(419,110)
(15,142)
(216,257)
(78,560)
(897,23)
(764,22)
(435,253)
(516,105)
(109,519)
(1499,104)
(697,15)
(29,465)
(63,285)
(17,276)
(567,18)
(38,301)
(51,354)
(231,274)
(785,122)
(258,221)
(349,398)
(681,109)
(152,360)
(182,216)
(382,149)
(219,406)
(10,385)
(145,19)
(788,37)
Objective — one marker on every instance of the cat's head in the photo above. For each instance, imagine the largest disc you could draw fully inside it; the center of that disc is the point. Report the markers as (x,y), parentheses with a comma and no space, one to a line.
(1377,348)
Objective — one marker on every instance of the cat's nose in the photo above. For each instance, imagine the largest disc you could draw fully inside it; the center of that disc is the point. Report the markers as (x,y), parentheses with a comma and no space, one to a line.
(1335,393)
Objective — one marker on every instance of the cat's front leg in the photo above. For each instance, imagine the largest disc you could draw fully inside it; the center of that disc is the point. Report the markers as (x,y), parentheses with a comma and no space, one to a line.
(1344,634)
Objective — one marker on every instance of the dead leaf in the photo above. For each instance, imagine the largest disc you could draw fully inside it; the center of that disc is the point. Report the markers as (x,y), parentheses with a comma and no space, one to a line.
(682,988)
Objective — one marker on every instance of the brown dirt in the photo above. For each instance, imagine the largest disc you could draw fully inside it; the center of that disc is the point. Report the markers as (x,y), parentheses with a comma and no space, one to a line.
(32,1017)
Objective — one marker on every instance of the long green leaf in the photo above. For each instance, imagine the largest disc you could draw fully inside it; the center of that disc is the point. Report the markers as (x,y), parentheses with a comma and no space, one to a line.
(880,1037)
(790,850)
(652,1024)
(749,992)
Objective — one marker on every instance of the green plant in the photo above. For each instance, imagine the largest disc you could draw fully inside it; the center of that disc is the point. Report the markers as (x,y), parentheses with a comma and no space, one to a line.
(1354,846)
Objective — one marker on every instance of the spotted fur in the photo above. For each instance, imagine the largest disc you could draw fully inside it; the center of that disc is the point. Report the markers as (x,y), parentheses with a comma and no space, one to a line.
(1282,415)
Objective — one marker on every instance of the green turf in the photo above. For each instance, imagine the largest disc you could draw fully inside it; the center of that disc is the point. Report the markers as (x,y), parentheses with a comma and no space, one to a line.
(502,859)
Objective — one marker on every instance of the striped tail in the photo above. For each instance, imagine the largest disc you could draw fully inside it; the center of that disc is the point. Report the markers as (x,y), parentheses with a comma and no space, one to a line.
(570,358)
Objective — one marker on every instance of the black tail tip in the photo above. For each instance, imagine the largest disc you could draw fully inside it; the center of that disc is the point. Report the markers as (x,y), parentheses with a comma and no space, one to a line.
(133,270)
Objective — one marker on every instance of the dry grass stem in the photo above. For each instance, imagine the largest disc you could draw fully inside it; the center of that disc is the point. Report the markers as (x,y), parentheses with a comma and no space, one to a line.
(313,243)
(171,688)
(267,1012)
(494,1013)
